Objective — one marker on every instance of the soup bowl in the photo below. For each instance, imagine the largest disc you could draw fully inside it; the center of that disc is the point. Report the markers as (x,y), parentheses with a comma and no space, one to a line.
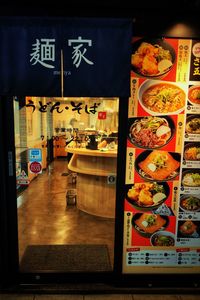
(162,97)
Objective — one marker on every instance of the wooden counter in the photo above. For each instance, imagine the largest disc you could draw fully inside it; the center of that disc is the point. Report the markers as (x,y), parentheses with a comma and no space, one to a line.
(95,194)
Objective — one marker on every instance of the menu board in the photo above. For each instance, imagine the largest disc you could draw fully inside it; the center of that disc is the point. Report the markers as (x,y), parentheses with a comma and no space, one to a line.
(162,182)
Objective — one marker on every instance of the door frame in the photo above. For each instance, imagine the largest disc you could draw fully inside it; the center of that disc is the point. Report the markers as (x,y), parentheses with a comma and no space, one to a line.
(8,207)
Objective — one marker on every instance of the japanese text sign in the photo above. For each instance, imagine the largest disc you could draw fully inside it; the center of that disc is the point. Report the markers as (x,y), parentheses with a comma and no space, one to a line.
(94,54)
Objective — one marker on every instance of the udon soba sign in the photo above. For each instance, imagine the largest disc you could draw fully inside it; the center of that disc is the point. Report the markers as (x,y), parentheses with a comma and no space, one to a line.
(162,184)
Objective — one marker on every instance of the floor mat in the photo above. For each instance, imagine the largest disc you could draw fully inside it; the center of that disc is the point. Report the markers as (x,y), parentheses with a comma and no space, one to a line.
(66,258)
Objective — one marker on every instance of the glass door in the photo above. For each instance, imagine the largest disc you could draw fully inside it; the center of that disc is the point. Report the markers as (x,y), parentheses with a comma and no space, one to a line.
(66,162)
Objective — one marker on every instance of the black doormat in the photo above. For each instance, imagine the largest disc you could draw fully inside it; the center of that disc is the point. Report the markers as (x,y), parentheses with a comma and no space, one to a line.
(66,258)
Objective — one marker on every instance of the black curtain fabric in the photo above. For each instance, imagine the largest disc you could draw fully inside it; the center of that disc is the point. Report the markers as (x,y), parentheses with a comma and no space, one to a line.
(65,57)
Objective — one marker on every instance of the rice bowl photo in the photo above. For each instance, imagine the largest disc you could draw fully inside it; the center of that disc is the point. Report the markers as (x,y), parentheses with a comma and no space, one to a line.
(147,196)
(152,58)
(194,95)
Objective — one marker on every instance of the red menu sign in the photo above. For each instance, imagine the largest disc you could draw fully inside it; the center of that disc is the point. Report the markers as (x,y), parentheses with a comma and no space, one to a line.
(162,184)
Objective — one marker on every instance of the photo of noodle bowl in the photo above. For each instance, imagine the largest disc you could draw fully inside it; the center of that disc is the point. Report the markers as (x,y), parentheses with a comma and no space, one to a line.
(191,178)
(193,124)
(163,239)
(190,203)
(158,165)
(152,57)
(192,151)
(151,132)
(147,224)
(160,97)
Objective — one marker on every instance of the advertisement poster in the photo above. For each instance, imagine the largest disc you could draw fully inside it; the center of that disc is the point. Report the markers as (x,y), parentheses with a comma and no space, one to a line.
(162,182)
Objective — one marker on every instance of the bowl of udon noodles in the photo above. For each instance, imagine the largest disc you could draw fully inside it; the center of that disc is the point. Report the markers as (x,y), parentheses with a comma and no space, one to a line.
(192,151)
(191,178)
(161,97)
(152,58)
(163,239)
(192,125)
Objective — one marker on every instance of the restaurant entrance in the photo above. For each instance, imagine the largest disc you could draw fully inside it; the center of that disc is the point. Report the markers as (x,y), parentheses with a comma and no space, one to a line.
(66,164)
(60,154)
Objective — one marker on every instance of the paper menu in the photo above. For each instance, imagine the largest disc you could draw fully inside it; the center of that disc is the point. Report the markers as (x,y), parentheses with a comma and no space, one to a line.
(163,122)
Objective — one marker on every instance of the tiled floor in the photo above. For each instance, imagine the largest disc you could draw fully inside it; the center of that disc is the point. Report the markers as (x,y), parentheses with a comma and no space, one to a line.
(43,218)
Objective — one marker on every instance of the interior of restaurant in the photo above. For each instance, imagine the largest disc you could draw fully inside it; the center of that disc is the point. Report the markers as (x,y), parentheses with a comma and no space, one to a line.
(60,202)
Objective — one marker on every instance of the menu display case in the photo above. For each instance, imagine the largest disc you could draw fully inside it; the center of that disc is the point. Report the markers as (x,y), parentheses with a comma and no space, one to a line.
(162,180)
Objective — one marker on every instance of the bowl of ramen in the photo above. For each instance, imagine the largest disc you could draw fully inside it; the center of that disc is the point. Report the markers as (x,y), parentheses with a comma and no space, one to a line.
(188,228)
(152,57)
(163,239)
(191,178)
(147,196)
(190,203)
(192,151)
(151,132)
(147,224)
(161,97)
(194,94)
(192,124)
(157,165)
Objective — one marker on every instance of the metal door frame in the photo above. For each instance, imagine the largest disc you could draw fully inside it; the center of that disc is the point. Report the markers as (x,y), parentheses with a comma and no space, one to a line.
(8,204)
(9,257)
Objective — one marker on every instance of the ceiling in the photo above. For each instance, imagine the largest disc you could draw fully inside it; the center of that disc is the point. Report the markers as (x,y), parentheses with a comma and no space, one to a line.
(99,7)
(149,17)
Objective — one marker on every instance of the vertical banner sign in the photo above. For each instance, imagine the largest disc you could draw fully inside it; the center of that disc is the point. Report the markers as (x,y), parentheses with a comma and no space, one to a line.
(162,182)
(95,57)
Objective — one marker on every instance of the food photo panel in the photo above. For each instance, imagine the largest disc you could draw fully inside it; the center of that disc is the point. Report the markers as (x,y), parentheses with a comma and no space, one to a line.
(150,197)
(189,204)
(152,132)
(156,165)
(192,127)
(193,103)
(190,179)
(188,232)
(145,225)
(150,97)
(154,58)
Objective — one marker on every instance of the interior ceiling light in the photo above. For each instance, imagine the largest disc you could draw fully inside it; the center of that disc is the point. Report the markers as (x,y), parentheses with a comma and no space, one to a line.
(179,30)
